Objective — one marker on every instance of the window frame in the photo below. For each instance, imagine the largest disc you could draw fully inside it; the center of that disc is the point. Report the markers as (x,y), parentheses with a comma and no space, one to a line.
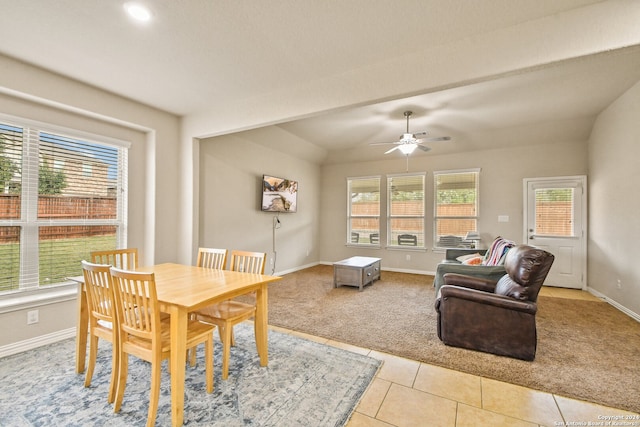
(422,218)
(351,216)
(29,281)
(436,218)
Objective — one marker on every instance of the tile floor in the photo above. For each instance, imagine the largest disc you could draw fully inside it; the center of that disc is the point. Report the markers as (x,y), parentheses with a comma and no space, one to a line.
(410,393)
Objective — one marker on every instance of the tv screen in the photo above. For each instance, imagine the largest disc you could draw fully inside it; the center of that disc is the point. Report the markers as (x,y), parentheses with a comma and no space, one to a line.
(279,194)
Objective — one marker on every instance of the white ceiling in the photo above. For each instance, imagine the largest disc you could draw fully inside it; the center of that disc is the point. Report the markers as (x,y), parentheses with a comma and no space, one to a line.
(199,53)
(554,104)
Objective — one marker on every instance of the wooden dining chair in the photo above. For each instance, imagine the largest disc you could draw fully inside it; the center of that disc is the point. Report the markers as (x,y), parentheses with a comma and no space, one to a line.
(102,322)
(212,258)
(209,258)
(126,259)
(143,333)
(228,313)
(247,262)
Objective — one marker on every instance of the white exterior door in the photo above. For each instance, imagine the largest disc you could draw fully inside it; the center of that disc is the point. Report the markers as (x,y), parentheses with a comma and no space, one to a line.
(555,220)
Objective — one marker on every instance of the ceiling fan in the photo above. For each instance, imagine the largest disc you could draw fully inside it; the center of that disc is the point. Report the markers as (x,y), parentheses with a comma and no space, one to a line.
(408,142)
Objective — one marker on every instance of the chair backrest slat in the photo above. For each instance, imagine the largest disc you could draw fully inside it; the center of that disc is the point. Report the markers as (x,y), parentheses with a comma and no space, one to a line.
(212,258)
(137,303)
(125,259)
(99,288)
(248,262)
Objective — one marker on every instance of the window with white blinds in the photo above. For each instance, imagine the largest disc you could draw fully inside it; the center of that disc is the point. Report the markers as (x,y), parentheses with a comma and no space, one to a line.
(62,195)
(554,212)
(405,210)
(363,218)
(456,207)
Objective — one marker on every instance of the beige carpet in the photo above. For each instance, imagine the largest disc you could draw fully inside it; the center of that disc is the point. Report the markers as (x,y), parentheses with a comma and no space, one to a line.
(586,350)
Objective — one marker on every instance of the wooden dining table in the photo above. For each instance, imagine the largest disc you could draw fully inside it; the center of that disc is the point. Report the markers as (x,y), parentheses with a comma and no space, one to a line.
(182,289)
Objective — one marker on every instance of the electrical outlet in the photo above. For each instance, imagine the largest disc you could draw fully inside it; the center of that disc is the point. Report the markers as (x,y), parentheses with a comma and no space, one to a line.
(270,261)
(408,257)
(32,317)
(619,284)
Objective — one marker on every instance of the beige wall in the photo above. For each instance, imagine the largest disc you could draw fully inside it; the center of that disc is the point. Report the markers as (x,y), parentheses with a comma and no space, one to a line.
(501,175)
(432,67)
(55,318)
(231,169)
(32,93)
(614,202)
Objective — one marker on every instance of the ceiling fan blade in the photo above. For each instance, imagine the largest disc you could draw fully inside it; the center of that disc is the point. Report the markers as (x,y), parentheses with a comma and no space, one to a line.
(383,143)
(424,148)
(420,135)
(393,149)
(437,139)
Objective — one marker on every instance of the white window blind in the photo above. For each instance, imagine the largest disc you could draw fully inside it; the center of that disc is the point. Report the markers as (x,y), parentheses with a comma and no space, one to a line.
(10,206)
(405,213)
(554,212)
(363,219)
(456,207)
(63,197)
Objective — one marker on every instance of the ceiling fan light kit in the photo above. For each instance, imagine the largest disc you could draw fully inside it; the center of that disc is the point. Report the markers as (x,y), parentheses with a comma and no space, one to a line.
(407,148)
(408,142)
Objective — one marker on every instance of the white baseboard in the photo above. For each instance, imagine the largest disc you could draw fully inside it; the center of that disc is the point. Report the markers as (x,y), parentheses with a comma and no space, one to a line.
(32,343)
(292,270)
(622,308)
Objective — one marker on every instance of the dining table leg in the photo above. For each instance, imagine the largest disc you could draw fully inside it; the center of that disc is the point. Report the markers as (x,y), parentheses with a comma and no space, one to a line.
(82,329)
(178,361)
(261,325)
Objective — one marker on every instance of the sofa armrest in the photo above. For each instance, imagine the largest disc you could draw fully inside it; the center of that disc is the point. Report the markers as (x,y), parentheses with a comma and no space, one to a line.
(472,282)
(481,297)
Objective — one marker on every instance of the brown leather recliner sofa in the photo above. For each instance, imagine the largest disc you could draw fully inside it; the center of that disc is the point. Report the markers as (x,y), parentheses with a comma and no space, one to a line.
(495,317)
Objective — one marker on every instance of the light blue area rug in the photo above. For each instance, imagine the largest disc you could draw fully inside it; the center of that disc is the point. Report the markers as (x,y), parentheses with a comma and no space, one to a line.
(306,384)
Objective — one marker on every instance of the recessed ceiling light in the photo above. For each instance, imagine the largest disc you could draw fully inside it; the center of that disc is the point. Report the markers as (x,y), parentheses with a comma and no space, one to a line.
(138,11)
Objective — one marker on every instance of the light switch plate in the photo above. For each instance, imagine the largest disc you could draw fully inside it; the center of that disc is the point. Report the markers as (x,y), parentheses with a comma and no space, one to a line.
(503,218)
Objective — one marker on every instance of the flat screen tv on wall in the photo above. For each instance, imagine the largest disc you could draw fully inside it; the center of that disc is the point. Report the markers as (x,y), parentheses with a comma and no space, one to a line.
(279,194)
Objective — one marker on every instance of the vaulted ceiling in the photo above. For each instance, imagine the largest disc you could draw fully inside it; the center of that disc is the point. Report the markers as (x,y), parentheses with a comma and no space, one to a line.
(554,104)
(199,53)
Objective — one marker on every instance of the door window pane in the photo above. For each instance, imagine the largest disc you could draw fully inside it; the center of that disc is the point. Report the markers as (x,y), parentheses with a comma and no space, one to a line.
(554,212)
